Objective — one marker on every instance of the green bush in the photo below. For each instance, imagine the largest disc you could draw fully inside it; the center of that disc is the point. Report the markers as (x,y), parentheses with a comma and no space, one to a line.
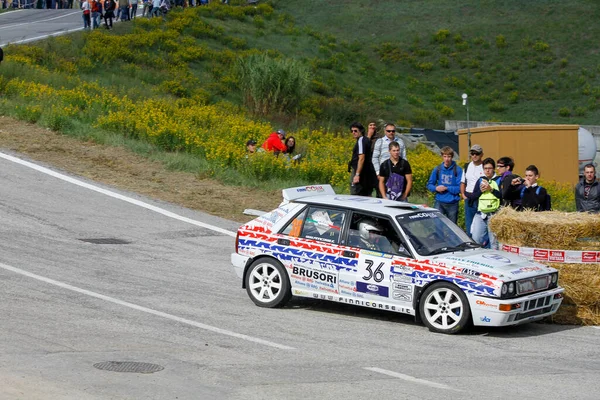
(272,84)
(564,112)
(497,106)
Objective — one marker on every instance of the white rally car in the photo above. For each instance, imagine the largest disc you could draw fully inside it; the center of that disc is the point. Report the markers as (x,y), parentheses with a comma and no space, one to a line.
(387,255)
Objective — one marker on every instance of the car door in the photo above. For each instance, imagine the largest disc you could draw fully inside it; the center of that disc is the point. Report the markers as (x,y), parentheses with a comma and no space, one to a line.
(312,242)
(369,276)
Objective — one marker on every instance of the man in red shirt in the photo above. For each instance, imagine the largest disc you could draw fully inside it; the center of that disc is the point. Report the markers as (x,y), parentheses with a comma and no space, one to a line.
(275,142)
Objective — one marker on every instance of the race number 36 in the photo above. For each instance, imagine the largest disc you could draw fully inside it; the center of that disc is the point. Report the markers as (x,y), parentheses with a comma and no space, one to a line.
(376,273)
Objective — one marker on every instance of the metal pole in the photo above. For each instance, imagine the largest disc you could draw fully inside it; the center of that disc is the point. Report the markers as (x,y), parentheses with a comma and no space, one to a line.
(468,126)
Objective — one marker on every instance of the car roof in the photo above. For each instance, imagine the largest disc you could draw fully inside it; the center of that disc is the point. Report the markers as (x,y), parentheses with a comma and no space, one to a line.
(362,203)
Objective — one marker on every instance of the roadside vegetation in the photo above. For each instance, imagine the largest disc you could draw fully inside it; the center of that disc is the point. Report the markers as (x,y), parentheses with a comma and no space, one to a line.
(196,86)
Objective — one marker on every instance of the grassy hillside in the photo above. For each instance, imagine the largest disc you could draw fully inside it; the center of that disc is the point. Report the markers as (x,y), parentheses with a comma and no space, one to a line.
(525,61)
(177,84)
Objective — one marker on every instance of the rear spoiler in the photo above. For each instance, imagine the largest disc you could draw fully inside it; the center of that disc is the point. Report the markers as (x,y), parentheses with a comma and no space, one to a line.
(306,191)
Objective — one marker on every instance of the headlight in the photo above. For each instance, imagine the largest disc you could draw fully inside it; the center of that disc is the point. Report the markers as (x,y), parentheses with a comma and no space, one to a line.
(554,278)
(504,289)
(511,288)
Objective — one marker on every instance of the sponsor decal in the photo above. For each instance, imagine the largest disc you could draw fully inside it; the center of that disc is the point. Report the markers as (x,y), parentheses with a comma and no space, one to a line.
(402,296)
(316,275)
(540,255)
(496,257)
(526,269)
(402,287)
(361,199)
(510,249)
(422,216)
(472,272)
(370,288)
(590,256)
(485,319)
(483,303)
(402,278)
(311,189)
(556,256)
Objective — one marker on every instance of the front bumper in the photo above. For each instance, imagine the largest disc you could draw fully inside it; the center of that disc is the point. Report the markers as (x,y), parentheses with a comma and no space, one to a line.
(486,311)
(239,264)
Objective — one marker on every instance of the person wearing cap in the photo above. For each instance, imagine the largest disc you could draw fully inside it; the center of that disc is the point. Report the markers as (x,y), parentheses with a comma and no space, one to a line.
(251,146)
(444,182)
(275,142)
(472,172)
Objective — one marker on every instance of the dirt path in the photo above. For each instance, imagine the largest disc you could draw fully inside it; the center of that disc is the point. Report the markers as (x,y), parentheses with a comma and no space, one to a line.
(121,168)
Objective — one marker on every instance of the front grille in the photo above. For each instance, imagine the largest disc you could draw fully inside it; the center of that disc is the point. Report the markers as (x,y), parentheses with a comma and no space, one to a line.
(537,303)
(533,284)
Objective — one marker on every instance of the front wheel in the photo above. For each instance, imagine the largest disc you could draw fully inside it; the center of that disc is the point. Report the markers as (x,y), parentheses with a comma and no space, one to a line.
(267,283)
(444,308)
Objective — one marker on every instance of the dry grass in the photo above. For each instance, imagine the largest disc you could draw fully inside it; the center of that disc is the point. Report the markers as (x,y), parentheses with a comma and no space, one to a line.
(121,168)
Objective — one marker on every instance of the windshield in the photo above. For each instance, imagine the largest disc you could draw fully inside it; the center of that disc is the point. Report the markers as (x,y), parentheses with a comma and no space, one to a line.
(431,233)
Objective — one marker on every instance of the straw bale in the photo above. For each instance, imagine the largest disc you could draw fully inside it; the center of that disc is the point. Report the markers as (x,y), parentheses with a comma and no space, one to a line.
(570,314)
(581,283)
(551,229)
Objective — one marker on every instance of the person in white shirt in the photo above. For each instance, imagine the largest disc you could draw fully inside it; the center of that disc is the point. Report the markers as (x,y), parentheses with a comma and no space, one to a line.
(381,151)
(472,172)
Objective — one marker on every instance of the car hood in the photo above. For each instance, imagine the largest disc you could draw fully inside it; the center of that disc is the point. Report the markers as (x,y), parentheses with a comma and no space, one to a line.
(496,263)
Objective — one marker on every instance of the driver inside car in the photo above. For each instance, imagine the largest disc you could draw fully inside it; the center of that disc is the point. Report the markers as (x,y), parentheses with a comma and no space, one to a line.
(372,237)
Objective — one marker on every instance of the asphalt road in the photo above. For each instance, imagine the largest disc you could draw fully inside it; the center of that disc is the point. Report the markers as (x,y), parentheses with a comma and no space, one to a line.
(167,295)
(22,26)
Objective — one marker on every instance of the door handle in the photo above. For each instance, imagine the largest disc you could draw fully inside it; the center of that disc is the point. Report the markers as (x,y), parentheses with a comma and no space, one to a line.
(283,242)
(348,253)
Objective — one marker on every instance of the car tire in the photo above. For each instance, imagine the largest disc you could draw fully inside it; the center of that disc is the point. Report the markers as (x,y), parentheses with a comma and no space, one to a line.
(444,308)
(267,283)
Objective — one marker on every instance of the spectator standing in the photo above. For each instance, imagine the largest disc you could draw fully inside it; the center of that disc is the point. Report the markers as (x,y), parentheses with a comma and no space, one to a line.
(275,142)
(372,135)
(533,196)
(391,186)
(133,4)
(509,183)
(487,193)
(155,11)
(587,191)
(109,13)
(473,171)
(96,8)
(444,182)
(123,10)
(362,178)
(145,4)
(85,6)
(382,145)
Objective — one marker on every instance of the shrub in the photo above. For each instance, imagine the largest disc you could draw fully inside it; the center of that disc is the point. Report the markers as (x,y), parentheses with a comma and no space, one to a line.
(580,111)
(509,86)
(444,62)
(541,46)
(496,106)
(513,97)
(441,35)
(564,112)
(500,41)
(271,84)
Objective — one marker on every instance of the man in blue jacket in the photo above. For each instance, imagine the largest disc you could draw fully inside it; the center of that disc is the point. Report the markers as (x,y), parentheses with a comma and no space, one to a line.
(445,183)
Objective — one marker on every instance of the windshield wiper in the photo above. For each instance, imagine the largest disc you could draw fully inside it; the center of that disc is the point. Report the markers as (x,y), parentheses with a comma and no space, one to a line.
(450,249)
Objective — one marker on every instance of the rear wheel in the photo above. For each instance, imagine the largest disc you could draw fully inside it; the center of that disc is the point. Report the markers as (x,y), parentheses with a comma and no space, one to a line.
(444,308)
(267,283)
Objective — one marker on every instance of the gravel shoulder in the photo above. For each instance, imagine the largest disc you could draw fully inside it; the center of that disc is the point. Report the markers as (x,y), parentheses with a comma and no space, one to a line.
(123,169)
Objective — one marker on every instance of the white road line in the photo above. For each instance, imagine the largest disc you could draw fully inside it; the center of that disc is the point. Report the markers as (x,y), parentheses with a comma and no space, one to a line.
(10,12)
(41,20)
(409,378)
(145,309)
(116,195)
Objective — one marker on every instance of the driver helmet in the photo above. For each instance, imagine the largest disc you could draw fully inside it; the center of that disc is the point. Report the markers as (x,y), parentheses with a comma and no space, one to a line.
(367,226)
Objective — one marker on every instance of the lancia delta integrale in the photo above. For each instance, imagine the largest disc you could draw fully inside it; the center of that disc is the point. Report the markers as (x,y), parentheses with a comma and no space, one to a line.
(387,255)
